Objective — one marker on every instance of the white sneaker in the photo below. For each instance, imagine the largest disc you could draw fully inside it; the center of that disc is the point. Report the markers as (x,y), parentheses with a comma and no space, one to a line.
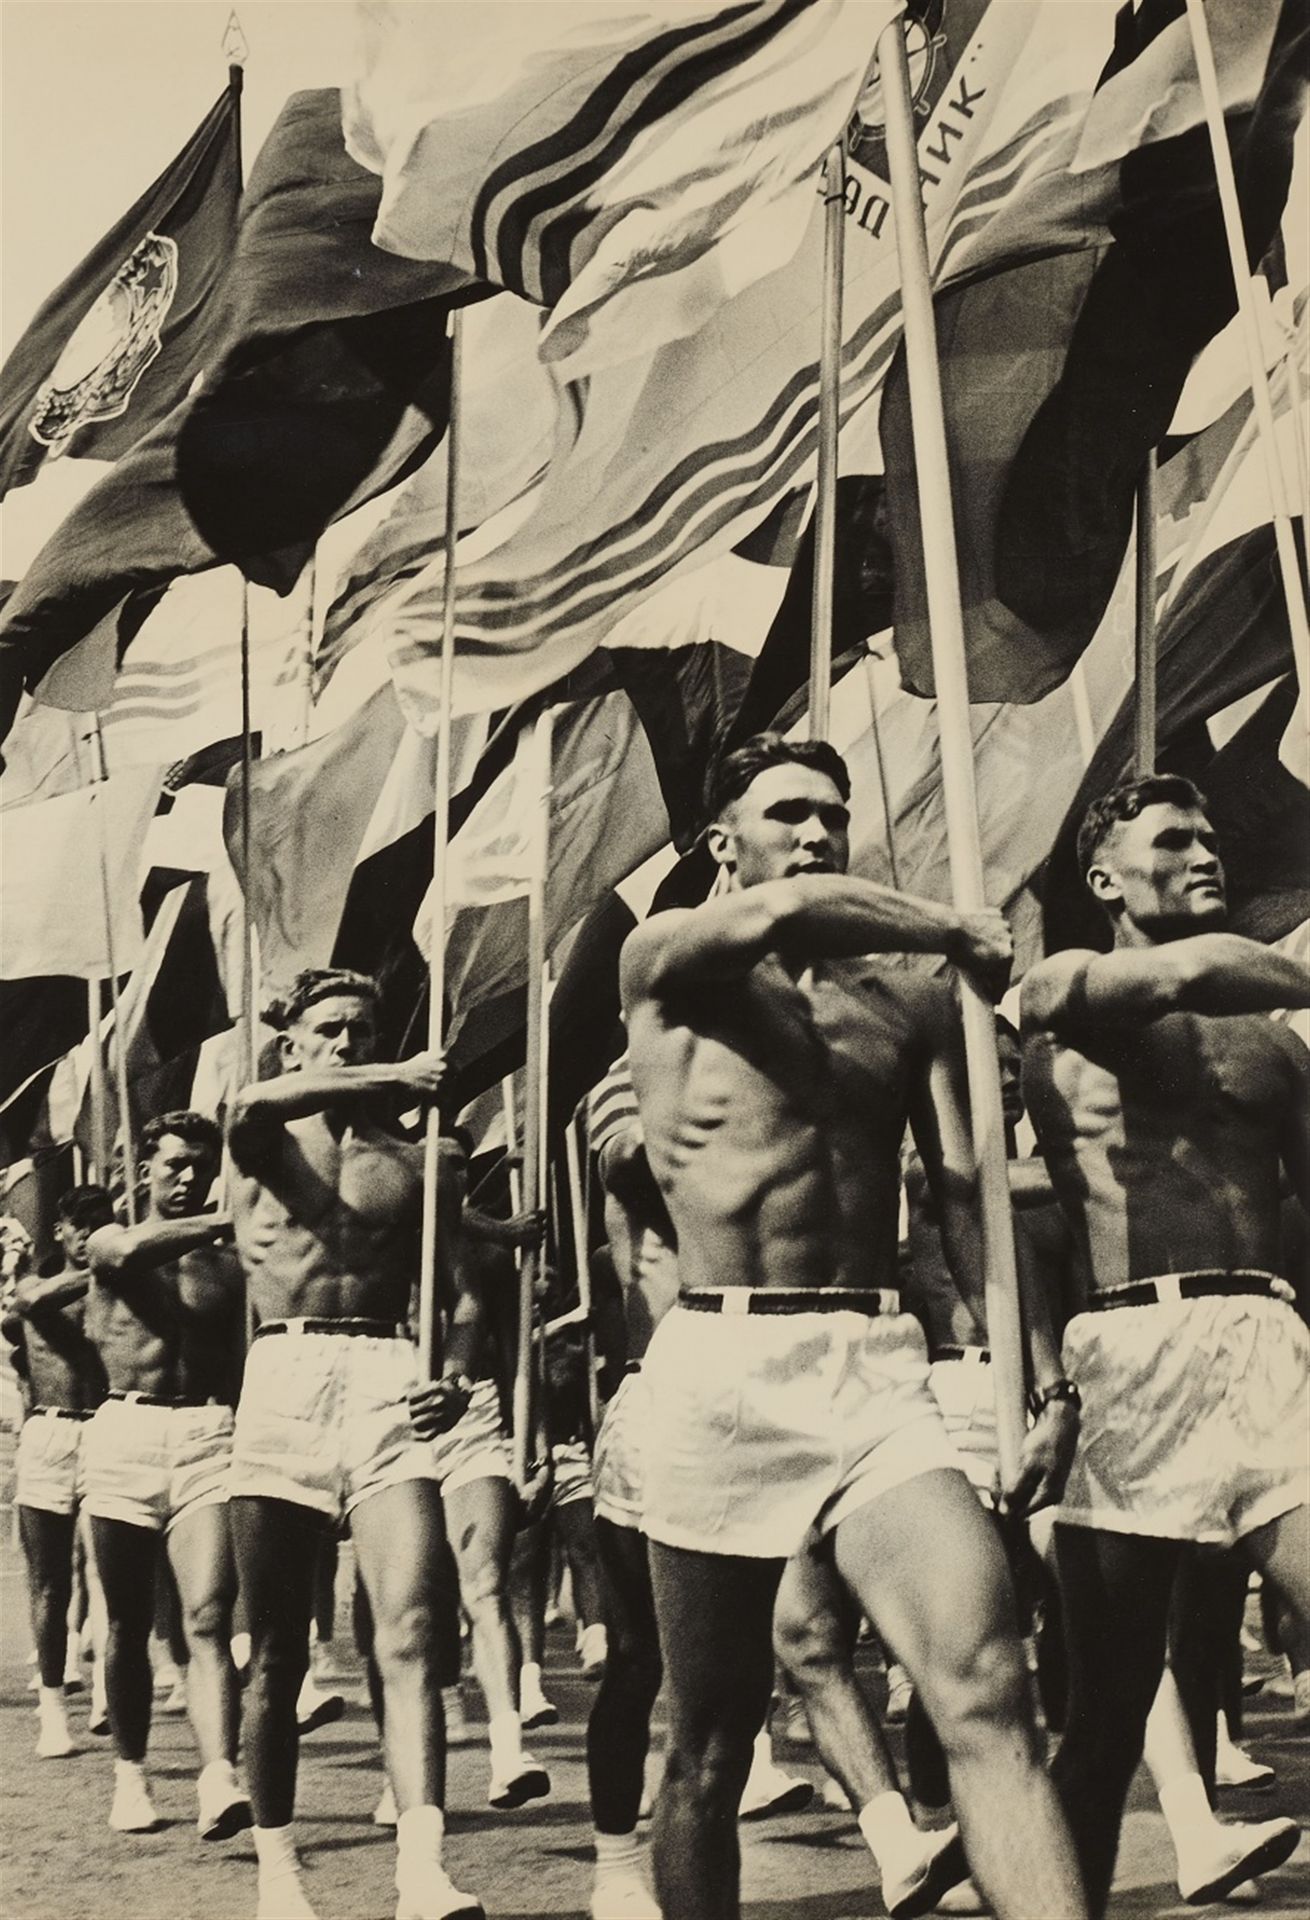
(315,1709)
(593,1646)
(1233,1765)
(282,1897)
(224,1808)
(930,1866)
(98,1718)
(622,1896)
(166,1677)
(1236,1853)
(433,1895)
(523,1780)
(834,1795)
(535,1710)
(769,1792)
(133,1811)
(175,1701)
(53,1740)
(384,1813)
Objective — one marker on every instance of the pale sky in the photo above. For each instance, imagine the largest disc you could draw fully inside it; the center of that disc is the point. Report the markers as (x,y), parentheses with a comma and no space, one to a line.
(96,96)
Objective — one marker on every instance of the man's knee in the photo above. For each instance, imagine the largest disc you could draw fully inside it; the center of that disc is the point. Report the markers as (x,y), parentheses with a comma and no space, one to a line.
(809,1646)
(482,1588)
(711,1763)
(209,1619)
(973,1696)
(406,1636)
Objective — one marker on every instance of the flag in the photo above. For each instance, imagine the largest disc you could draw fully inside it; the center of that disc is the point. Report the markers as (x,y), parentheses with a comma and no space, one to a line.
(1225,637)
(328,379)
(118,344)
(1061,373)
(627,167)
(70,876)
(314,813)
(508,408)
(678,456)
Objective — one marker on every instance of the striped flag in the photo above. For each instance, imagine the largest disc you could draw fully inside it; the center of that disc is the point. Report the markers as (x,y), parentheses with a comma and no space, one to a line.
(628,166)
(679,455)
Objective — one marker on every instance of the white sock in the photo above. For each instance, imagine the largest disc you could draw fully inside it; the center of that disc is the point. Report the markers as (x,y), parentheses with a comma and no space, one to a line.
(275,1851)
(218,1772)
(419,1833)
(530,1676)
(506,1739)
(50,1700)
(130,1770)
(762,1755)
(1187,1812)
(887,1826)
(617,1855)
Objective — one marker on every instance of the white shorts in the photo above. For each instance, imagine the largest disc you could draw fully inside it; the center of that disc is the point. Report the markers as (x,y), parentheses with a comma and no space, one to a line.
(619,1464)
(324,1420)
(1195,1416)
(476,1447)
(50,1473)
(762,1426)
(964,1390)
(154,1466)
(571,1464)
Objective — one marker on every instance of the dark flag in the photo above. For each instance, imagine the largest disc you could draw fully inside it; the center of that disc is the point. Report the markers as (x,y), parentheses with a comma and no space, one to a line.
(118,344)
(329,380)
(1061,373)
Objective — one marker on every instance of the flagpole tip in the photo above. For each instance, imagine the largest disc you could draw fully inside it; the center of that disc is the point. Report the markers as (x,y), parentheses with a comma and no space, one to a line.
(236,47)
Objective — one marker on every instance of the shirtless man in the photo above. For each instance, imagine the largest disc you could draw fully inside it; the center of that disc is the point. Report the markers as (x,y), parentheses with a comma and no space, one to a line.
(166,1314)
(775,1066)
(66,1383)
(1164,1101)
(327,1202)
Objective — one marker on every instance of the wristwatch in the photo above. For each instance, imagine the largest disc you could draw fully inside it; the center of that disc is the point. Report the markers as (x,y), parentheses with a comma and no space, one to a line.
(1042,1397)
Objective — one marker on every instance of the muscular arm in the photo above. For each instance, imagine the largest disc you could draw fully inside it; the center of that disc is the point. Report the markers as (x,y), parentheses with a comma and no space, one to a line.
(1294,1141)
(122,1254)
(33,1295)
(816,916)
(260,1111)
(1214,973)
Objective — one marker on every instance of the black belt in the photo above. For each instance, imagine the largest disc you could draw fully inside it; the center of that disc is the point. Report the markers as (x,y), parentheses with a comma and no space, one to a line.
(63,1413)
(161,1400)
(733,1300)
(981,1356)
(355,1328)
(1171,1287)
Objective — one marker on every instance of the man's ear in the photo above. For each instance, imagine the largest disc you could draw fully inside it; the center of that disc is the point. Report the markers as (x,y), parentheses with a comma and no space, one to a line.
(718,838)
(1103,884)
(286,1049)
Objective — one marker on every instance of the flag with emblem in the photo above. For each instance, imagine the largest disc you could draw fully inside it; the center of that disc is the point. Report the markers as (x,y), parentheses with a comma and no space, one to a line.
(118,344)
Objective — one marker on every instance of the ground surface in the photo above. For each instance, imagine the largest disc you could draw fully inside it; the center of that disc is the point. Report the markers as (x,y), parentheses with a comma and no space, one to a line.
(58,1861)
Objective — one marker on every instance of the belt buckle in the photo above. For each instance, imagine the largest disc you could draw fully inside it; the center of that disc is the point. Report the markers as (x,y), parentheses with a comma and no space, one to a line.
(296,1326)
(735,1300)
(1169,1289)
(889,1301)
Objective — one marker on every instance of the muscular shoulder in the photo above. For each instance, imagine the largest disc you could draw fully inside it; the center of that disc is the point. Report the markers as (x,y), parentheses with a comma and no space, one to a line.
(1047,987)
(642,950)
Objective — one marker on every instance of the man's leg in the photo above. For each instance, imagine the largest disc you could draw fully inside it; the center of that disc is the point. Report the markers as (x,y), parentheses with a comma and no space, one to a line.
(924,1562)
(714,1613)
(48,1540)
(126,1559)
(398,1534)
(200,1549)
(276,1545)
(618,1732)
(576,1524)
(1281,1550)
(481,1518)
(1115,1591)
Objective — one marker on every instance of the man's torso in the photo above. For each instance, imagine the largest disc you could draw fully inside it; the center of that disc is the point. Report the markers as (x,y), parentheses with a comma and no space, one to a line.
(175,1331)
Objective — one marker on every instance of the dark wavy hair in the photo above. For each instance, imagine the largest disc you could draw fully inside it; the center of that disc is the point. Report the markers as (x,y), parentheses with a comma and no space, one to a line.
(1125,802)
(735,771)
(197,1129)
(315,984)
(87,1206)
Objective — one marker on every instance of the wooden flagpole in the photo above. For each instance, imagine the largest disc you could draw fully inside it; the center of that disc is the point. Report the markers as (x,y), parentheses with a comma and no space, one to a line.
(126,1131)
(429,1319)
(98,1164)
(1295,739)
(946,618)
(1144,726)
(825,509)
(578,1208)
(533,1132)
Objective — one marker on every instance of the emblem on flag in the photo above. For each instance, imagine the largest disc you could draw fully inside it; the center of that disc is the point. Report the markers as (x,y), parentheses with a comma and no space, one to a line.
(924,44)
(97,372)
